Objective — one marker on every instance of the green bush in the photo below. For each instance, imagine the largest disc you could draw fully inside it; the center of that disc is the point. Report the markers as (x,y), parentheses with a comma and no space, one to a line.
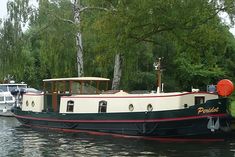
(233,108)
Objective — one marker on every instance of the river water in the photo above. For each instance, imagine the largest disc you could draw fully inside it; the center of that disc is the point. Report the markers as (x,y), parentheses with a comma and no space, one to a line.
(17,141)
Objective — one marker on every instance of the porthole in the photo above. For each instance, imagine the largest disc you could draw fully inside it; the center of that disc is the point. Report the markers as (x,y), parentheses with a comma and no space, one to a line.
(33,104)
(149,107)
(131,107)
(27,103)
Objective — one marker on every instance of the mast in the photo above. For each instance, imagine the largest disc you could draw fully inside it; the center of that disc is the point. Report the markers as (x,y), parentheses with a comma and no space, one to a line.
(157,66)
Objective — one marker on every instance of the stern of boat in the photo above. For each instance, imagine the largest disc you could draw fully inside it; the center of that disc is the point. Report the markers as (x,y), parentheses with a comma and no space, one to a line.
(217,113)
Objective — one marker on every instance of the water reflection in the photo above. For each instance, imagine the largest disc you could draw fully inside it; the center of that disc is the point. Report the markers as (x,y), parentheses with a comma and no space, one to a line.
(16,140)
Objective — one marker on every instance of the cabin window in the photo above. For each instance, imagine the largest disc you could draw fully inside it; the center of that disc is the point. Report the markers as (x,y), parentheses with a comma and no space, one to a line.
(9,98)
(102,106)
(1,98)
(76,88)
(211,88)
(185,105)
(149,107)
(199,100)
(12,87)
(70,106)
(49,87)
(3,88)
(131,107)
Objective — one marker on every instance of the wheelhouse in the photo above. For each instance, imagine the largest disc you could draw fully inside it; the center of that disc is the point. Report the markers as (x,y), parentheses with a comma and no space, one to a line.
(54,89)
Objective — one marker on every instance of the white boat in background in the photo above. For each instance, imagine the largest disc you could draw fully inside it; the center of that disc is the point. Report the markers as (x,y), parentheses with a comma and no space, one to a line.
(7,101)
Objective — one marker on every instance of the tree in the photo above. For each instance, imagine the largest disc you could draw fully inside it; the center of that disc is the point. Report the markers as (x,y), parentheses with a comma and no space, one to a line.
(12,38)
(77,20)
(193,27)
(188,35)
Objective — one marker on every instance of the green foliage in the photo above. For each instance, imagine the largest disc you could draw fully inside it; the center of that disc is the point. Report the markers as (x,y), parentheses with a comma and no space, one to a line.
(196,47)
(187,34)
(232,108)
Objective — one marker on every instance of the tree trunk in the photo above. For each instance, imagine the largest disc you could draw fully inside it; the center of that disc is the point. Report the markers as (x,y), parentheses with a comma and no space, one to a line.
(117,71)
(77,20)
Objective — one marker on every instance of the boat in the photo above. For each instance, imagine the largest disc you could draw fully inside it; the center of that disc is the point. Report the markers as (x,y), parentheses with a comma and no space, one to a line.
(84,104)
(72,104)
(6,98)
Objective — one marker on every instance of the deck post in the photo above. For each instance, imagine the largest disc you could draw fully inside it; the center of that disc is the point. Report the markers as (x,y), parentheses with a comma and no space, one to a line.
(157,66)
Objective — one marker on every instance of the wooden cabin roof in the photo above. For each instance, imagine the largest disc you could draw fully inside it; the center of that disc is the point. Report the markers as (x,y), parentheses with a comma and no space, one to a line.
(77,79)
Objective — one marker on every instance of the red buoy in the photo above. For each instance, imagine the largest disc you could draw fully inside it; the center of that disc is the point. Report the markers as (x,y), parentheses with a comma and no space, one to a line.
(225,87)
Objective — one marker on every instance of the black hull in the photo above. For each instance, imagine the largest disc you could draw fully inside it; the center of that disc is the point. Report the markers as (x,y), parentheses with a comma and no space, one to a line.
(190,128)
(174,123)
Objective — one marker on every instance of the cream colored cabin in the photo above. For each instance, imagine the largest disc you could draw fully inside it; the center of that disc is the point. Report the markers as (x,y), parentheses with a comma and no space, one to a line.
(81,95)
(33,102)
(131,102)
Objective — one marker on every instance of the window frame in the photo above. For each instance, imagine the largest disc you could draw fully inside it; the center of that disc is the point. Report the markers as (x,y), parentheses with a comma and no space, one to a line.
(70,106)
(102,106)
(199,100)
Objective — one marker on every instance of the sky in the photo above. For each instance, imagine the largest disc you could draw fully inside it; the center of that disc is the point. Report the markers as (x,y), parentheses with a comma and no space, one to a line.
(3,8)
(3,13)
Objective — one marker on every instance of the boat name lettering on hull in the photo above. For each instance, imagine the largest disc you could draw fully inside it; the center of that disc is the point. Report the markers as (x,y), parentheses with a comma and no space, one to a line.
(207,110)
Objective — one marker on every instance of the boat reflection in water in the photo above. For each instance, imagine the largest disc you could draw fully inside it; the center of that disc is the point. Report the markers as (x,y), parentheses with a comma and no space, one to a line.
(16,140)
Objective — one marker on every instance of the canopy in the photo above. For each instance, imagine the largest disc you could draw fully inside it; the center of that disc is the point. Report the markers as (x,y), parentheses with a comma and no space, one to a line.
(77,79)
